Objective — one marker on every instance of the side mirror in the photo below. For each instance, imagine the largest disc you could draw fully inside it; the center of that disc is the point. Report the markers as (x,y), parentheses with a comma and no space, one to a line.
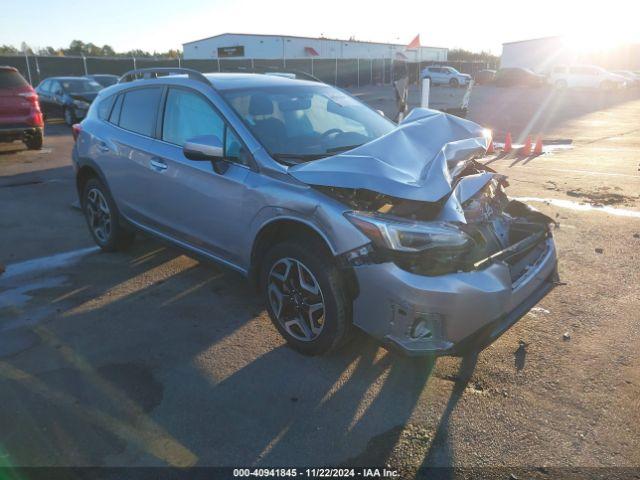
(205,147)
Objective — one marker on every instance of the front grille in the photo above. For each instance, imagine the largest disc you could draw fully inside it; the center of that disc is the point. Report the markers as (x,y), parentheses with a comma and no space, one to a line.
(522,262)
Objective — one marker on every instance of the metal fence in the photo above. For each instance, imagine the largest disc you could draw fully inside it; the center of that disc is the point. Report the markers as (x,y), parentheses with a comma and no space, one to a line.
(340,72)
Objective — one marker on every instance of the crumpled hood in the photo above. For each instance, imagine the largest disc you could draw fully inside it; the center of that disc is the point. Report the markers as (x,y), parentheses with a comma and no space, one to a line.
(414,161)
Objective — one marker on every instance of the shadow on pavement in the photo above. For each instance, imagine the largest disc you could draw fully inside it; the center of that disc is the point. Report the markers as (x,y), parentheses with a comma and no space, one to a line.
(149,358)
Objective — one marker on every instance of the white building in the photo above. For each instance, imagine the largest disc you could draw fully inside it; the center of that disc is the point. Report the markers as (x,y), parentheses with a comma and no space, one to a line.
(538,54)
(239,45)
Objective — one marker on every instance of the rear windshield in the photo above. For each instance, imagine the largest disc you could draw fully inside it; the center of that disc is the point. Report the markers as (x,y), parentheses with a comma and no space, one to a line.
(11,79)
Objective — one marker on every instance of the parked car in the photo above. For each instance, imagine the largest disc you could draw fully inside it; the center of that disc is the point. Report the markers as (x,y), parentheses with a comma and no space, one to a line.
(511,77)
(341,217)
(585,76)
(20,115)
(632,79)
(445,76)
(484,77)
(67,97)
(104,79)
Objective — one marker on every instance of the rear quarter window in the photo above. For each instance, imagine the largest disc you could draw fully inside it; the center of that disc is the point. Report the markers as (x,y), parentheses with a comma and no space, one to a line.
(139,109)
(11,79)
(104,107)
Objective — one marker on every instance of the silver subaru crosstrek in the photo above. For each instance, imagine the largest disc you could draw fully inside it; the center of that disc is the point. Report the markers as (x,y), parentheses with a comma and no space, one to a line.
(341,217)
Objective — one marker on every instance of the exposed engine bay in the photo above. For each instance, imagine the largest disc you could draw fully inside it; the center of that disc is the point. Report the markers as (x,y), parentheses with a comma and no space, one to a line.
(499,229)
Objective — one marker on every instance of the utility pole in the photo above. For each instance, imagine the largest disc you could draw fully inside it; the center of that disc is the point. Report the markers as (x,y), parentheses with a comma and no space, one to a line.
(25,50)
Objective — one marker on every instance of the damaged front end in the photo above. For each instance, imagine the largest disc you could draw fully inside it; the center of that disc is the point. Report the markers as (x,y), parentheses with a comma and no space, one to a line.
(452,261)
(420,237)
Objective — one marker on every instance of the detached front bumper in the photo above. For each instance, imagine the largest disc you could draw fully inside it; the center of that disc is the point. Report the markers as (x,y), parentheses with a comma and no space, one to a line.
(458,311)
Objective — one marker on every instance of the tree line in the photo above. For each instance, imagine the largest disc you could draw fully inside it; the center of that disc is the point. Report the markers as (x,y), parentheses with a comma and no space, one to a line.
(79,48)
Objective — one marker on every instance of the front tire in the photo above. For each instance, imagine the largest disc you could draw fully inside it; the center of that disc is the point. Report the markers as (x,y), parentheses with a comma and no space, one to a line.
(103,218)
(306,296)
(454,83)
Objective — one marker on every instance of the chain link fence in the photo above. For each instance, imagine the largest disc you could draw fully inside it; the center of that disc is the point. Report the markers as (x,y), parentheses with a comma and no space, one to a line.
(341,72)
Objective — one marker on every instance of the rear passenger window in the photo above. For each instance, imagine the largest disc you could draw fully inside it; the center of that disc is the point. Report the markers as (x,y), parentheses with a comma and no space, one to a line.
(115,112)
(188,115)
(104,107)
(138,112)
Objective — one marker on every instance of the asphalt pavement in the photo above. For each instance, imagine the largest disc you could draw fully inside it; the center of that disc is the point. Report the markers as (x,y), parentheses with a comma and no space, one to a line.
(151,358)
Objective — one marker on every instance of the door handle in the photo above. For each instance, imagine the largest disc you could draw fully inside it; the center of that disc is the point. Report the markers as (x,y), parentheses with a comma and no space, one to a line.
(103,147)
(158,165)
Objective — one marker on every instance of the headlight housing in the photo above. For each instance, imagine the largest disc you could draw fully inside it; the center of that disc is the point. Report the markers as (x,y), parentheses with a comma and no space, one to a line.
(423,248)
(81,104)
(409,236)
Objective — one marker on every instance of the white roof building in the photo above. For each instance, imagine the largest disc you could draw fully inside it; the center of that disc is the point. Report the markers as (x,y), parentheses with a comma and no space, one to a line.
(240,45)
(538,54)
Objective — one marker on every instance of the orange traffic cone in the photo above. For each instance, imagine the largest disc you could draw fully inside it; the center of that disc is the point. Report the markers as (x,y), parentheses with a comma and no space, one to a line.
(526,150)
(507,143)
(538,148)
(491,149)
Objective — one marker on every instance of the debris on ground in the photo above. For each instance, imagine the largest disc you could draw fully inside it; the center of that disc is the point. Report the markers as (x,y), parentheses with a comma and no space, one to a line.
(601,197)
(636,235)
(599,250)
(566,336)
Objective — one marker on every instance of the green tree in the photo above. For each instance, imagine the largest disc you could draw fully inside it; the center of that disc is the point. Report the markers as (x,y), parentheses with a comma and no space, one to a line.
(8,50)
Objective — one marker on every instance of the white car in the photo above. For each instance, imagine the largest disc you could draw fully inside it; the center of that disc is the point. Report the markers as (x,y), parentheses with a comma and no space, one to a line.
(633,79)
(585,76)
(445,76)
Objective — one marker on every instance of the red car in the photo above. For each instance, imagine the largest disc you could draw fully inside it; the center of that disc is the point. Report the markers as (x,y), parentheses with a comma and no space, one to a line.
(20,114)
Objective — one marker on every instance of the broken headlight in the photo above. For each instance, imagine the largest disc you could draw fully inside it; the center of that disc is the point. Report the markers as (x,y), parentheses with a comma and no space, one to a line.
(423,248)
(409,236)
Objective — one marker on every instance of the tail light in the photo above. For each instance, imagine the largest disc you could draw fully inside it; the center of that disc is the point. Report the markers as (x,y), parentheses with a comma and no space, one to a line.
(35,116)
(76,128)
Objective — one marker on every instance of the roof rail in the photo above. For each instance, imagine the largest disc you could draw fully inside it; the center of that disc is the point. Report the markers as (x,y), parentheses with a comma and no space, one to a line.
(145,73)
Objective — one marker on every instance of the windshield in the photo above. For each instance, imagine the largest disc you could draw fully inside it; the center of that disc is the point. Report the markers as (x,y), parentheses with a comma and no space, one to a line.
(306,122)
(80,86)
(106,81)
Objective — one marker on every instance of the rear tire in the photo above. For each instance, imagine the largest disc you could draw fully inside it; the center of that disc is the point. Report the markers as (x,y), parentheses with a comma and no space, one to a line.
(34,142)
(300,273)
(103,219)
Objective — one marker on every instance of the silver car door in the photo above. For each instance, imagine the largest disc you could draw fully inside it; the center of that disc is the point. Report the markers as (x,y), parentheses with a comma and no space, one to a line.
(202,207)
(128,149)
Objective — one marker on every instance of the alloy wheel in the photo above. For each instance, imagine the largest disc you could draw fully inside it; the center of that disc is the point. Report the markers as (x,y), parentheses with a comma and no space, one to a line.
(296,299)
(98,215)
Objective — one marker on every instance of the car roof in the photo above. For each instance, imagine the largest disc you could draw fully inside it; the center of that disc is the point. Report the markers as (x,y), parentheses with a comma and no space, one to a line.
(230,81)
(69,77)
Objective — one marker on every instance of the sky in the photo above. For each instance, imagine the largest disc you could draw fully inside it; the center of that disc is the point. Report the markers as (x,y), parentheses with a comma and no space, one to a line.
(161,25)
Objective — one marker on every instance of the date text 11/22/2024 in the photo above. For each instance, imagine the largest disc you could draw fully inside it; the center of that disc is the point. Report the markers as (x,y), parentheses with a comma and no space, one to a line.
(316,472)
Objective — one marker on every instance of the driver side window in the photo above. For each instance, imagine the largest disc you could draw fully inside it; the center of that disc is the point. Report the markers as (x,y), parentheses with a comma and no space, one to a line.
(188,115)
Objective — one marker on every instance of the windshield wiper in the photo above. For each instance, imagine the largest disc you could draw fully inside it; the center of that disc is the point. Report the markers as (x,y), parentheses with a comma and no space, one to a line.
(344,148)
(296,156)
